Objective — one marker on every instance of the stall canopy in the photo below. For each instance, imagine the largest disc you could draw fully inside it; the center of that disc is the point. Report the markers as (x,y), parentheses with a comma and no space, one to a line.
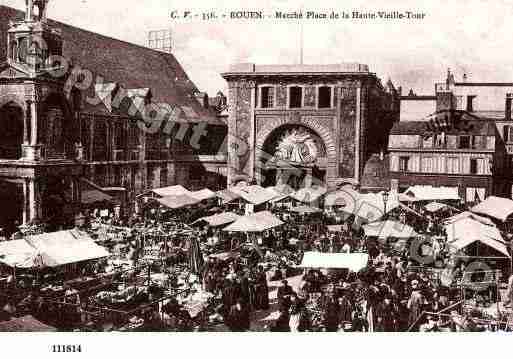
(281,189)
(219,220)
(430,193)
(176,202)
(51,250)
(93,194)
(371,206)
(435,207)
(495,207)
(462,233)
(305,210)
(389,229)
(345,196)
(227,196)
(171,191)
(352,261)
(464,215)
(256,222)
(204,194)
(254,194)
(309,194)
(25,324)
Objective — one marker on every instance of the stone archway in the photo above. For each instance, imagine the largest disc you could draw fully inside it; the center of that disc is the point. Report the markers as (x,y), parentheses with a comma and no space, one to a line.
(312,124)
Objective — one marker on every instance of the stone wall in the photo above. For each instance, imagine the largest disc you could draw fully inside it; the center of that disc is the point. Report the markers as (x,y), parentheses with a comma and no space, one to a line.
(348,107)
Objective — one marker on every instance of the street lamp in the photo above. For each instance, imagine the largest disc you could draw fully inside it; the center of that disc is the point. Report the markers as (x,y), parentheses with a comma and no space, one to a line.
(385,200)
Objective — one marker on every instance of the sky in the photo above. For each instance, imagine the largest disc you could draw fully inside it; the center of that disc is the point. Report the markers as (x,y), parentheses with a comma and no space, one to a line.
(467,36)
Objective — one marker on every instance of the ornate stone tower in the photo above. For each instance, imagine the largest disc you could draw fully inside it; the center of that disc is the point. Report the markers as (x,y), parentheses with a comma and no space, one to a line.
(39,173)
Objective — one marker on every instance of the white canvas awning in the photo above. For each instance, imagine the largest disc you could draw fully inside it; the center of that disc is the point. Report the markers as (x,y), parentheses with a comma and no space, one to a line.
(495,207)
(219,219)
(254,194)
(466,214)
(256,222)
(309,194)
(431,193)
(171,191)
(204,194)
(51,250)
(352,261)
(176,202)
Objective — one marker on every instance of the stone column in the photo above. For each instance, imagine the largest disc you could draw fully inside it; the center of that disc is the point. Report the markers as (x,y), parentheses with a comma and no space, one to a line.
(34,200)
(26,125)
(33,123)
(26,211)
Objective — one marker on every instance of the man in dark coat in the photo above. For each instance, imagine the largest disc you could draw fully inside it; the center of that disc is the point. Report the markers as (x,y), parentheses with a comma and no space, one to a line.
(386,313)
(345,310)
(284,293)
(238,319)
(261,290)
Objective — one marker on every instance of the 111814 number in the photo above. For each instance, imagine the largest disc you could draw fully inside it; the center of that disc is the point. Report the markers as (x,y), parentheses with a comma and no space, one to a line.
(67,348)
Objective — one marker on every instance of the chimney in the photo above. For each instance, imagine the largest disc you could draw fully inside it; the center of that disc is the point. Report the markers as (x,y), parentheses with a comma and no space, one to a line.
(507,115)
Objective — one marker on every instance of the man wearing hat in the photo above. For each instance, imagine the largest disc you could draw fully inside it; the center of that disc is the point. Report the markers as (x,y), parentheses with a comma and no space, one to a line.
(284,293)
(415,302)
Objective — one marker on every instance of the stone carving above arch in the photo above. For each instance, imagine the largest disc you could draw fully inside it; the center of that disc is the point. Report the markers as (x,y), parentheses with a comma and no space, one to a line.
(311,123)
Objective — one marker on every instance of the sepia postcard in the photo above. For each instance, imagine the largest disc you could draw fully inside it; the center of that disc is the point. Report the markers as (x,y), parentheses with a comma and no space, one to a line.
(254,167)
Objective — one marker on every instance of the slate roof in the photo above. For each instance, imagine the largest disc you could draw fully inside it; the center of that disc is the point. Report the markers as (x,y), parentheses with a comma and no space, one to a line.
(473,125)
(133,66)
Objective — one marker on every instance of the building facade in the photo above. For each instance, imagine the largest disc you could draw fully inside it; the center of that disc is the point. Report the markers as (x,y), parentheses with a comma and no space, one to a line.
(464,141)
(75,105)
(306,124)
(467,155)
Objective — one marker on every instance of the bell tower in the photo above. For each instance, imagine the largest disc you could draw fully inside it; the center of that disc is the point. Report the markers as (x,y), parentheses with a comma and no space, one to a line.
(39,167)
(32,42)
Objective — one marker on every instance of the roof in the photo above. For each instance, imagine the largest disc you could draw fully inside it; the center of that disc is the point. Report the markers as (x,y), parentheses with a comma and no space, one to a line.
(250,68)
(431,193)
(256,222)
(309,194)
(254,194)
(94,196)
(51,250)
(435,206)
(228,196)
(172,191)
(352,261)
(203,194)
(176,202)
(116,61)
(496,207)
(220,219)
(462,233)
(389,229)
(473,125)
(471,215)
(25,324)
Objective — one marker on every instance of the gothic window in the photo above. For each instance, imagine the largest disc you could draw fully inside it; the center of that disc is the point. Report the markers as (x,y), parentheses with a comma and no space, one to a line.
(295,97)
(23,50)
(324,97)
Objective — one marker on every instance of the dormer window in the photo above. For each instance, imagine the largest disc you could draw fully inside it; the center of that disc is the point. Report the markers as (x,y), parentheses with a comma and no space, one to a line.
(295,97)
(267,97)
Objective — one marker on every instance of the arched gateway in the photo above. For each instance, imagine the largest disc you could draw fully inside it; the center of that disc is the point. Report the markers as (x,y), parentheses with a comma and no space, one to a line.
(296,152)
